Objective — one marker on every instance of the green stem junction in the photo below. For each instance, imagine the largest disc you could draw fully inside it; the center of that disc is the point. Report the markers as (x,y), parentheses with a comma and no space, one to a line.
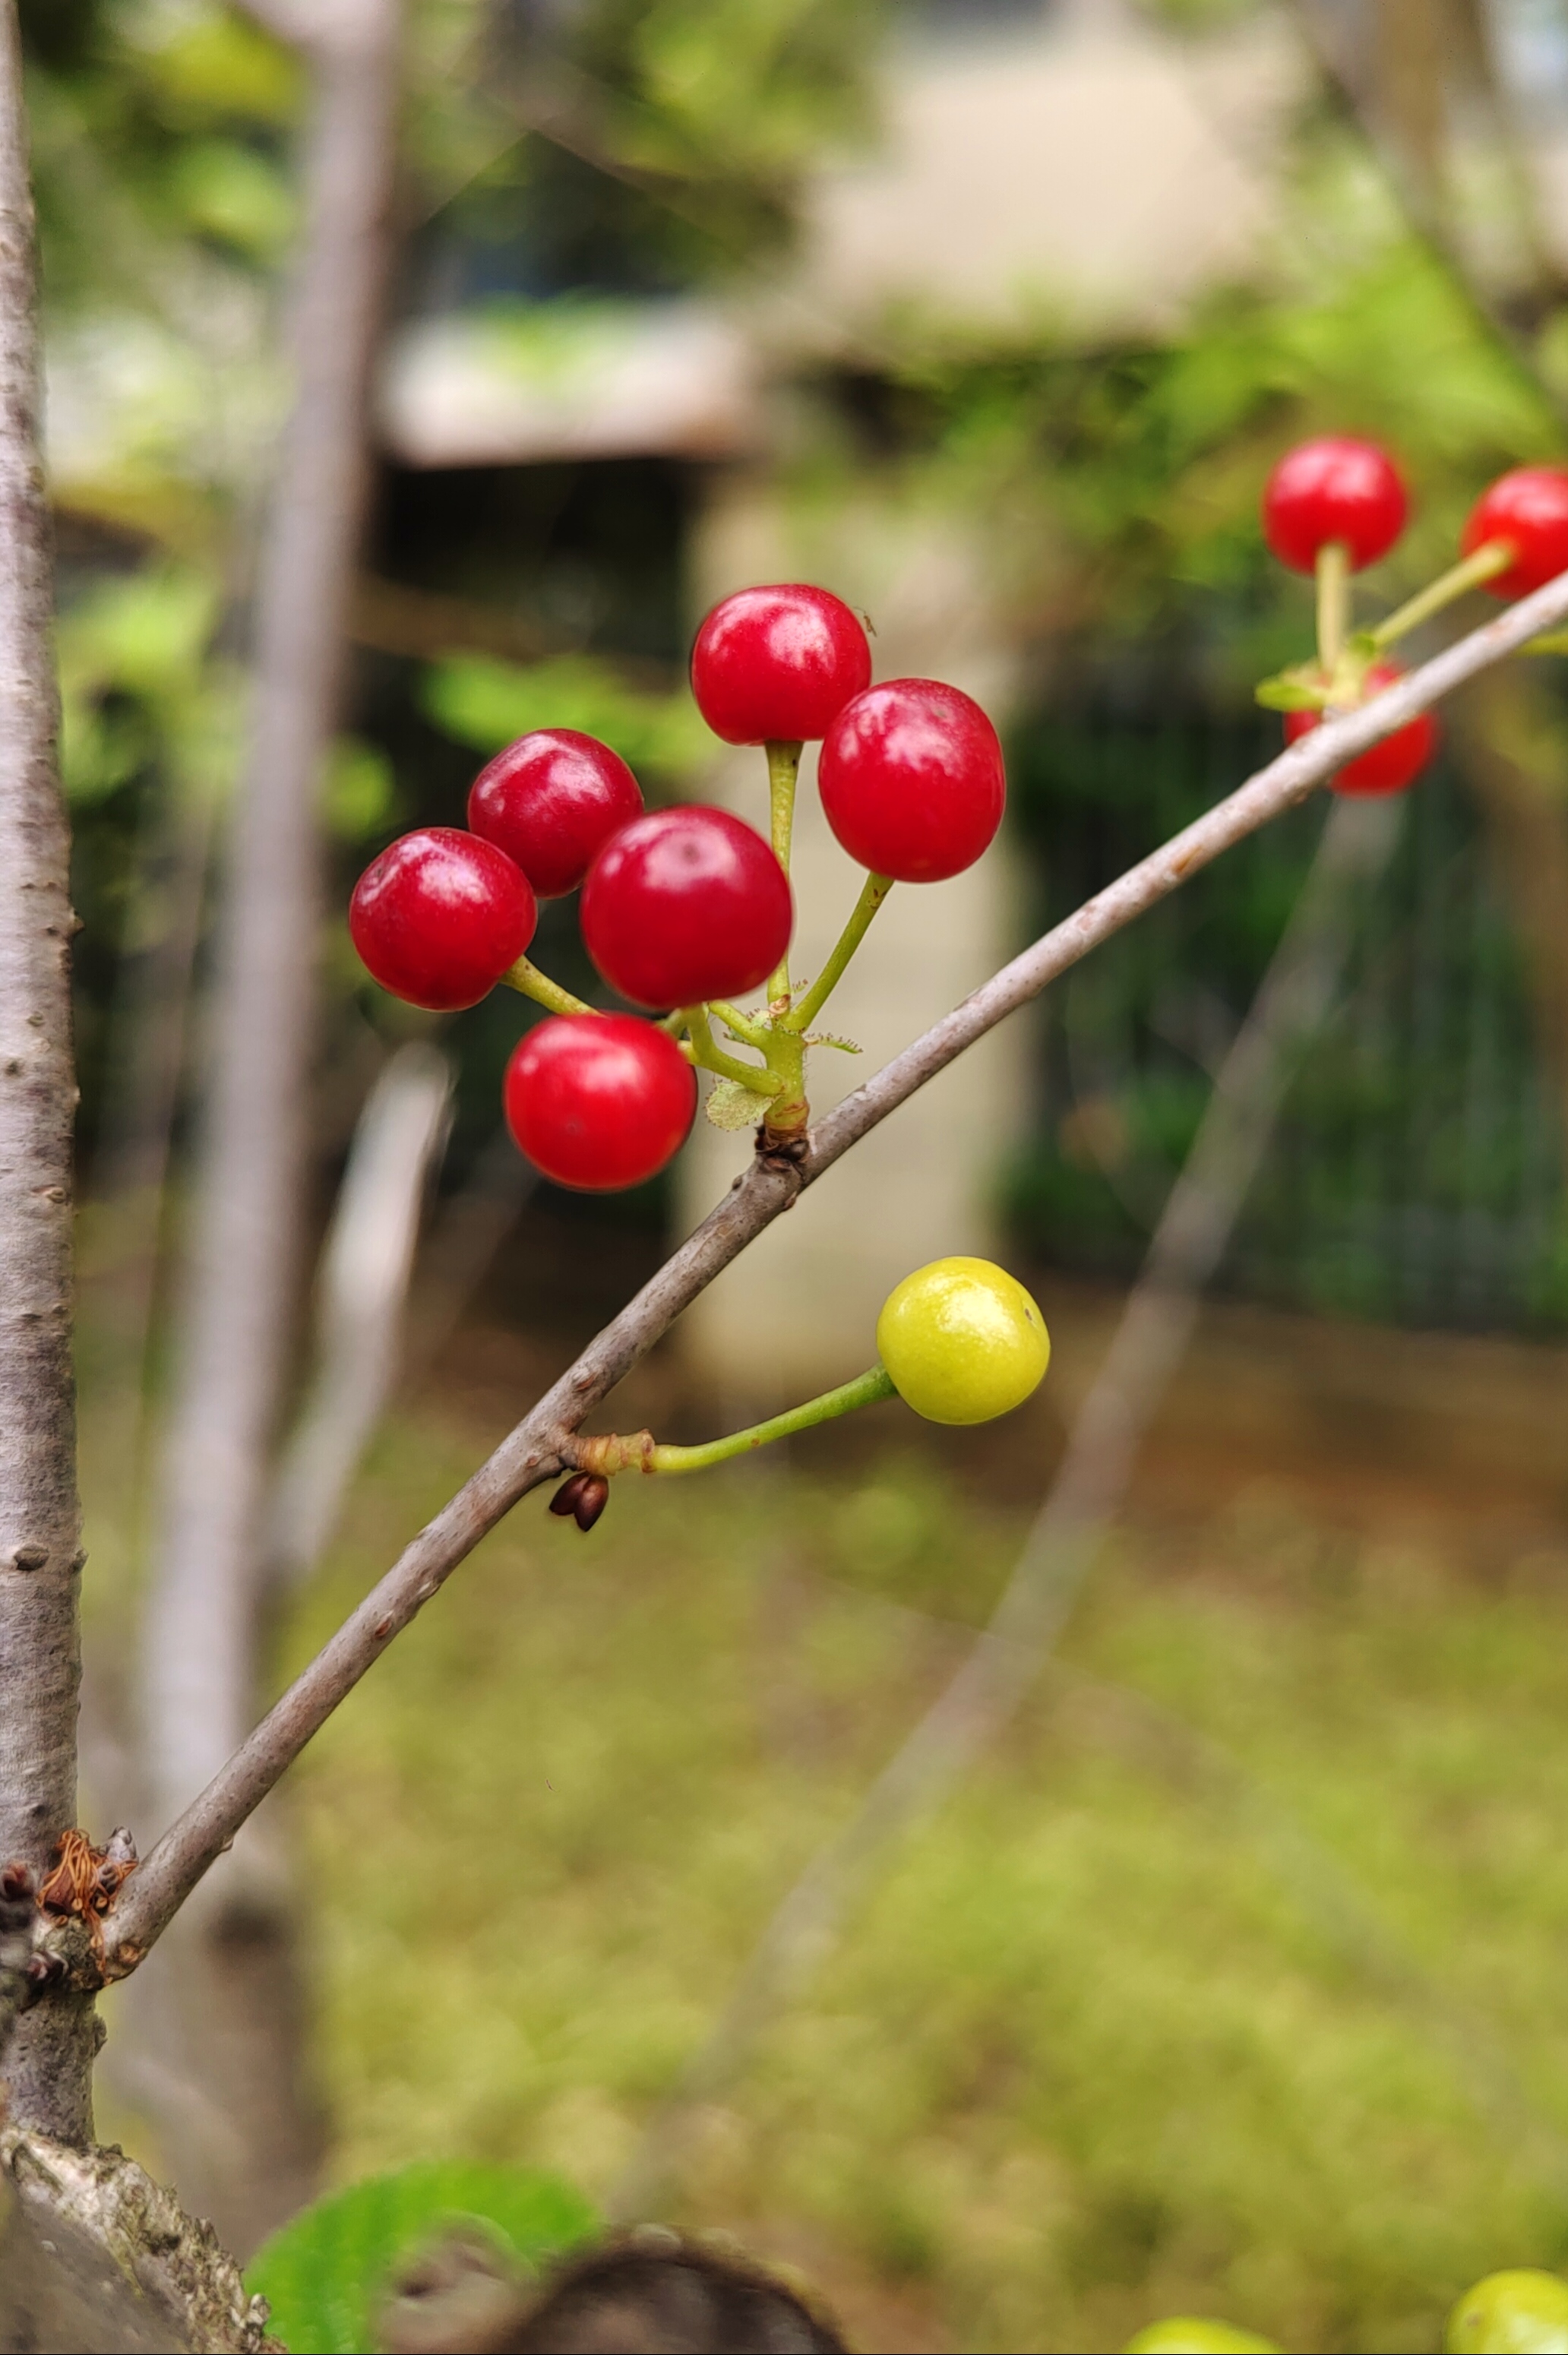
(705,1049)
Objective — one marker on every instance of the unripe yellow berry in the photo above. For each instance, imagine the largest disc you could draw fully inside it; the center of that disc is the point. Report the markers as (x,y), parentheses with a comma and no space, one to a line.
(1519,2312)
(962,1341)
(1191,2334)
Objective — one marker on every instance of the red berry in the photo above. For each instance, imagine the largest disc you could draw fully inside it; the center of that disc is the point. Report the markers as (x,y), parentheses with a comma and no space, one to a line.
(1388,767)
(551,801)
(684,905)
(1333,489)
(439,917)
(598,1101)
(777,665)
(912,780)
(1529,508)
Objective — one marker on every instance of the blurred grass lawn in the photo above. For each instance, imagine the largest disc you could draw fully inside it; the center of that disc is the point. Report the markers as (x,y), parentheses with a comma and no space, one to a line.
(1100,2048)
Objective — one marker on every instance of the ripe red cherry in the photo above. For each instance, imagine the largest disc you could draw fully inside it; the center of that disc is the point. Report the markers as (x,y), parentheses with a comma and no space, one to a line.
(1388,767)
(551,801)
(598,1101)
(777,665)
(1529,508)
(1335,489)
(684,905)
(439,917)
(911,780)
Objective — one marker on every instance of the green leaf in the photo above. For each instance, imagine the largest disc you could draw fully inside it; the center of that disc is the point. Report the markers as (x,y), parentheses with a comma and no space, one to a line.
(729,1105)
(326,2273)
(831,1038)
(1285,693)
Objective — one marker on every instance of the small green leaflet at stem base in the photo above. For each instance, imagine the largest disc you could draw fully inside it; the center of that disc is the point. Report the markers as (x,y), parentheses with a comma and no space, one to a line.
(325,2274)
(830,1038)
(1285,693)
(729,1105)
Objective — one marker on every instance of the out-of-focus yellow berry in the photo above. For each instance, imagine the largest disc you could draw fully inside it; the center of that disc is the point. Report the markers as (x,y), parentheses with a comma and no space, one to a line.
(1520,2312)
(962,1341)
(1191,2334)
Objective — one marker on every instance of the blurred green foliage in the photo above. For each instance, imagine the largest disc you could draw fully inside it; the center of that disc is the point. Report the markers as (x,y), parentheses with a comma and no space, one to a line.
(486,704)
(327,2275)
(675,136)
(1113,2038)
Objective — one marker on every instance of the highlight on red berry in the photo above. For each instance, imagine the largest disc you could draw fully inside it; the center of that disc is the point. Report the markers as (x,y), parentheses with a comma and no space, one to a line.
(1336,488)
(598,1101)
(684,905)
(551,801)
(777,665)
(912,780)
(1528,509)
(1389,767)
(439,917)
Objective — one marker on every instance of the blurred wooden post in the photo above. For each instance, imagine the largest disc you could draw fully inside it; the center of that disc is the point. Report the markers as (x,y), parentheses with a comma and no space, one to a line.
(921,1187)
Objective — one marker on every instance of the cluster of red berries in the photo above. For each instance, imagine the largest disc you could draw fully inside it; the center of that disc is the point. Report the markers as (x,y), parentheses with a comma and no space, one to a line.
(680,906)
(1341,491)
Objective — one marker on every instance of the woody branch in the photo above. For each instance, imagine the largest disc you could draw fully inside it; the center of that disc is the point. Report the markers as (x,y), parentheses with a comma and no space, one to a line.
(542,1444)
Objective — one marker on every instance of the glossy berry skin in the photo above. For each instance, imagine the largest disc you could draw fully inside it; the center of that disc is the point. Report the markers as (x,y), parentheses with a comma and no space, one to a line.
(439,917)
(912,780)
(962,1341)
(1520,2312)
(1335,489)
(1530,510)
(1192,2334)
(685,904)
(551,801)
(777,665)
(598,1101)
(1388,767)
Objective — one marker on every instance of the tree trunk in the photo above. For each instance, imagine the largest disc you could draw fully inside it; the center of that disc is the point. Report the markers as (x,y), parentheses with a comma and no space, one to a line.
(50,2065)
(238,2135)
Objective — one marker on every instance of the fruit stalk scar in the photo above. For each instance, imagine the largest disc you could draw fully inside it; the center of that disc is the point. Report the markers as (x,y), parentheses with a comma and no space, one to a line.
(641,1452)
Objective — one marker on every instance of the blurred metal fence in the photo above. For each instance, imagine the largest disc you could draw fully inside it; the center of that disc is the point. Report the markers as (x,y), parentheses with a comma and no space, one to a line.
(1416,1177)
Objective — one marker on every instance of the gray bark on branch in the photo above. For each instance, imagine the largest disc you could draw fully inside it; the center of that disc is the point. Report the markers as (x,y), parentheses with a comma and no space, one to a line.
(540,1446)
(48,2066)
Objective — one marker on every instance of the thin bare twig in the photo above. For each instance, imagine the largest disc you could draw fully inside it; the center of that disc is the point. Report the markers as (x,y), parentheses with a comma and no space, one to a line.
(321,27)
(363,1283)
(540,1446)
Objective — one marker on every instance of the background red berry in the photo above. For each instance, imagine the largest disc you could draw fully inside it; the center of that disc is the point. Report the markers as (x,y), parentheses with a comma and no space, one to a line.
(551,801)
(598,1101)
(1388,767)
(777,665)
(439,917)
(685,904)
(1335,489)
(912,780)
(1530,510)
